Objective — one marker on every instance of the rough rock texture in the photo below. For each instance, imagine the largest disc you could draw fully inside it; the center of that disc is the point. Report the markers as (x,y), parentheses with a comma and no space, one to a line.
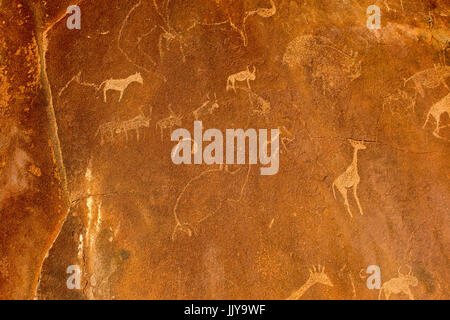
(356,109)
(33,203)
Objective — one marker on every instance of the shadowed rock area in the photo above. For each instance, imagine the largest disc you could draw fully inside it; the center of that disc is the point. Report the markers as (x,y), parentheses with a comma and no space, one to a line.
(87,179)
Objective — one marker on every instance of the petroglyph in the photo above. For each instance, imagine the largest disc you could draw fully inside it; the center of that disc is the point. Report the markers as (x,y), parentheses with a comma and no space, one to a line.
(119,38)
(286,137)
(116,127)
(316,275)
(350,178)
(439,39)
(262,106)
(77,79)
(108,128)
(399,102)
(169,122)
(436,111)
(241,29)
(207,108)
(398,285)
(120,85)
(207,207)
(242,76)
(334,67)
(430,78)
(169,33)
(135,124)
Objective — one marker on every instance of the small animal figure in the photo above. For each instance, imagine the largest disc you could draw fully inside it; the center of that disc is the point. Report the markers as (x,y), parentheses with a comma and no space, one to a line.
(120,84)
(316,275)
(436,111)
(401,284)
(245,75)
(350,178)
(207,107)
(169,122)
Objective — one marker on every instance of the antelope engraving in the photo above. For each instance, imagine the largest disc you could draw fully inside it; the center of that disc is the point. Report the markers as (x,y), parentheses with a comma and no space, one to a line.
(208,107)
(120,84)
(316,275)
(169,122)
(242,76)
(401,284)
(436,111)
(350,178)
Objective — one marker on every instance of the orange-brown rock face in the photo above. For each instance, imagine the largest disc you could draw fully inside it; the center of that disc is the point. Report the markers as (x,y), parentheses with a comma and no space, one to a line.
(87,117)
(33,202)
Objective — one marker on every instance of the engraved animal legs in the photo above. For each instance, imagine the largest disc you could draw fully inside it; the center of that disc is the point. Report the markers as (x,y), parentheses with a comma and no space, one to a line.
(426,121)
(343,191)
(409,293)
(357,199)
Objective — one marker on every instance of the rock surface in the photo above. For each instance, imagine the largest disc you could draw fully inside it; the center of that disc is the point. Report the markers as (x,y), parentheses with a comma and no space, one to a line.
(80,147)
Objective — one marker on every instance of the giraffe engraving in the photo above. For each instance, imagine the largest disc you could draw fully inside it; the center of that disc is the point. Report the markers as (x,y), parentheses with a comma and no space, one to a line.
(316,275)
(350,178)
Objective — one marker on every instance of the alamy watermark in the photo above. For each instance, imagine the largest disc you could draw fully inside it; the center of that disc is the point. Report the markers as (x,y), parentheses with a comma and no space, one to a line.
(374,19)
(74,280)
(74,20)
(235,147)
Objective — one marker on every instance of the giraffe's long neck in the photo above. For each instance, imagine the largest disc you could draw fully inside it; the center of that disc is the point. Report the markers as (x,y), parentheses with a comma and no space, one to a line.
(300,292)
(355,159)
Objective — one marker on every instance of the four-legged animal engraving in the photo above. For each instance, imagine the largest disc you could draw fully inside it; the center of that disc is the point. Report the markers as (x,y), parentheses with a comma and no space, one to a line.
(207,107)
(316,275)
(169,122)
(120,84)
(436,111)
(430,78)
(110,128)
(134,124)
(401,284)
(350,178)
(333,66)
(245,75)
